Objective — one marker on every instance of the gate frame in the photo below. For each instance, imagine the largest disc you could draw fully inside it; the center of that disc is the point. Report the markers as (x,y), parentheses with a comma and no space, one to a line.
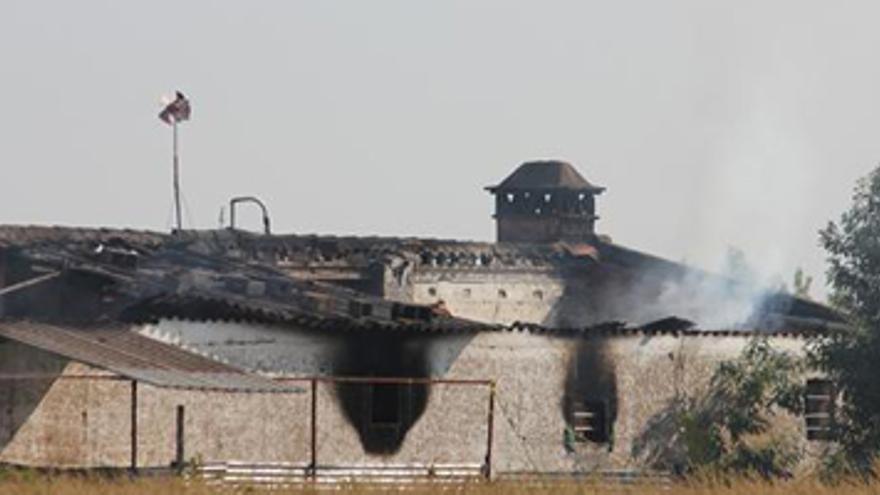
(315,380)
(312,469)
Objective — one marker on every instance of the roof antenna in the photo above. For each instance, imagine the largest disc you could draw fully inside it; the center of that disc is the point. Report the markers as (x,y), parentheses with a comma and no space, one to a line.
(249,199)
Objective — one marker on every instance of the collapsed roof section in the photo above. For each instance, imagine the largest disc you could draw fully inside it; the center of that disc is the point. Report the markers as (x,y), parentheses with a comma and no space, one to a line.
(233,275)
(136,281)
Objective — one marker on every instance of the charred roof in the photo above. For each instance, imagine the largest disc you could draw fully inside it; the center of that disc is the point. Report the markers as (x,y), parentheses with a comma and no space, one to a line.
(32,235)
(132,283)
(237,275)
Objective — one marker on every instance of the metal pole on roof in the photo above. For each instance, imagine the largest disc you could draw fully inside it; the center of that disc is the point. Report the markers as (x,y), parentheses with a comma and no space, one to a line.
(176,180)
(267,229)
(176,111)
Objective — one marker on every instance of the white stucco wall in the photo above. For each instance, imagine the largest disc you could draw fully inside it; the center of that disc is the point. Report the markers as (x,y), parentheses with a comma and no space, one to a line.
(262,348)
(531,372)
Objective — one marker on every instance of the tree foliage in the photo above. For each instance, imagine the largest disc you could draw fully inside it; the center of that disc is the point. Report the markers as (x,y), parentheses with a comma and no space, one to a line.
(853,247)
(729,427)
(851,358)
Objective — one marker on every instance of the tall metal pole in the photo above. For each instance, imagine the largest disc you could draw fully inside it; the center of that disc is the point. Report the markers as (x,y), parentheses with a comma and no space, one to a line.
(176,180)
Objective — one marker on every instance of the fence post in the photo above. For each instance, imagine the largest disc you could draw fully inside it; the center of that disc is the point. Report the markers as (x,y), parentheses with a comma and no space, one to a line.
(490,424)
(314,426)
(134,426)
(179,454)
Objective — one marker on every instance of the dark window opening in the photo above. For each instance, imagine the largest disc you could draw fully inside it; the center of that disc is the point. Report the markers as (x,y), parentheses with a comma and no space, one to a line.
(359,309)
(409,312)
(590,421)
(385,405)
(819,409)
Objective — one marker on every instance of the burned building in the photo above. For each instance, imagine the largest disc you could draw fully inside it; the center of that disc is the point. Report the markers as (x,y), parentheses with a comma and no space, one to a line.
(553,350)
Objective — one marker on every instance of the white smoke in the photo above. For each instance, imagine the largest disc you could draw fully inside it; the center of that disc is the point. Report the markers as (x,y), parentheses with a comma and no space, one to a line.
(756,196)
(733,297)
(728,300)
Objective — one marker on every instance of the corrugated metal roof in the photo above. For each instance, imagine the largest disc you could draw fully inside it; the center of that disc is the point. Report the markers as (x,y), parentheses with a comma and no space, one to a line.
(673,326)
(118,349)
(215,307)
(334,313)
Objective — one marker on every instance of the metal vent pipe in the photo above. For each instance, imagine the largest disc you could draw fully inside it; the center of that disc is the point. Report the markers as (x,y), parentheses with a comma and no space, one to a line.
(249,199)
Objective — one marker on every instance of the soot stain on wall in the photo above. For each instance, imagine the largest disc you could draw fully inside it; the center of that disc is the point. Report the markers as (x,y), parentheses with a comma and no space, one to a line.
(592,380)
(382,414)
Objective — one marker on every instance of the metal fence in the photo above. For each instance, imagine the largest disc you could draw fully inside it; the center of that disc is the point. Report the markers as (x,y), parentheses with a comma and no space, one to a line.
(142,409)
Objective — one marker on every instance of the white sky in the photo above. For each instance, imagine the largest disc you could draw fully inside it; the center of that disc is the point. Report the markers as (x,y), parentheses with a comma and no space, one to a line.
(711,123)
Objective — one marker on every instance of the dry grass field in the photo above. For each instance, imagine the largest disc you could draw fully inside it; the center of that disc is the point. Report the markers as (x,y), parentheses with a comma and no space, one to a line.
(32,485)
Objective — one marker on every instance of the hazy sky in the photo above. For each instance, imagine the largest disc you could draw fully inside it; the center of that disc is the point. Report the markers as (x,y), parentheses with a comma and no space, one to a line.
(711,123)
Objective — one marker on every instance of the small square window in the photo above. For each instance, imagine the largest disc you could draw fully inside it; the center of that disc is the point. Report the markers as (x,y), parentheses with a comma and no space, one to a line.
(819,409)
(590,421)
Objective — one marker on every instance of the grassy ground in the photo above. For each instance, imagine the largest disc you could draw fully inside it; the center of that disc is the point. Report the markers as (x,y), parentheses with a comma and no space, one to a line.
(32,485)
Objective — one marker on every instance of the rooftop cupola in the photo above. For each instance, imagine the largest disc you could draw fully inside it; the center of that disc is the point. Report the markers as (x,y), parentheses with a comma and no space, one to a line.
(543,202)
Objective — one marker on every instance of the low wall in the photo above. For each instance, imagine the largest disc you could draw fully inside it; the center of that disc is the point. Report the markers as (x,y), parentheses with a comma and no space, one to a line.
(65,422)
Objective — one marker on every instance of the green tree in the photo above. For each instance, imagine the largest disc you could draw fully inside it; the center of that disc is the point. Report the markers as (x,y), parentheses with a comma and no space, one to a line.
(850,358)
(729,428)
